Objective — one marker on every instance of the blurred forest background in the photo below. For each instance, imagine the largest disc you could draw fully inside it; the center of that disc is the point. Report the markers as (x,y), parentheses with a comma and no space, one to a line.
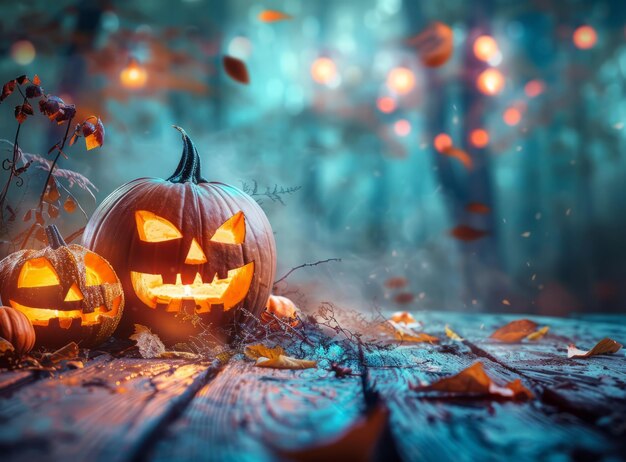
(494,181)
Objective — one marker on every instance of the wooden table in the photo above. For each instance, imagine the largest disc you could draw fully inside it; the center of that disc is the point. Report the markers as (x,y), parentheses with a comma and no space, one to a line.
(122,409)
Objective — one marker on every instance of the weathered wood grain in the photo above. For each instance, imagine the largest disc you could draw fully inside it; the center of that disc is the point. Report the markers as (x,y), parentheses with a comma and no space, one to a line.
(246,412)
(106,411)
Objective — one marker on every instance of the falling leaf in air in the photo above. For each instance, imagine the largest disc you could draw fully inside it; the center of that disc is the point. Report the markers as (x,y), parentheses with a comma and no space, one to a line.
(272,16)
(7,89)
(460,155)
(94,134)
(276,358)
(149,344)
(474,381)
(52,193)
(603,347)
(404,298)
(514,331)
(538,334)
(404,333)
(477,207)
(452,335)
(467,233)
(396,283)
(236,69)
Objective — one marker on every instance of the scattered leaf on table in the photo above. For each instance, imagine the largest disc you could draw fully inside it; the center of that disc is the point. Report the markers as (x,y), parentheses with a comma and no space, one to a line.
(538,334)
(6,347)
(236,69)
(406,334)
(66,353)
(475,381)
(178,355)
(452,335)
(406,318)
(460,155)
(514,331)
(477,207)
(396,282)
(272,16)
(276,358)
(149,344)
(359,443)
(603,347)
(467,233)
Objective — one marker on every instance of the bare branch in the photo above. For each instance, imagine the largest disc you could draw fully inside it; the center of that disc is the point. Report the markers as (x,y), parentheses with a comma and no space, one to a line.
(304,265)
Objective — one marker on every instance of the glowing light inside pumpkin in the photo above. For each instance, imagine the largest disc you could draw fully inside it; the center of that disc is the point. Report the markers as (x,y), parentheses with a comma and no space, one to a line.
(153,228)
(195,256)
(490,82)
(401,80)
(134,76)
(442,142)
(585,37)
(227,292)
(37,272)
(485,48)
(323,70)
(479,138)
(233,231)
(42,316)
(73,294)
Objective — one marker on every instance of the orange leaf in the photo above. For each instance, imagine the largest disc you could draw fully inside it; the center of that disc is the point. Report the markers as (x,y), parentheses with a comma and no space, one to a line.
(452,335)
(236,69)
(96,138)
(467,233)
(276,358)
(404,333)
(272,16)
(538,334)
(477,207)
(36,80)
(475,381)
(603,347)
(69,205)
(396,283)
(514,331)
(52,191)
(460,155)
(404,317)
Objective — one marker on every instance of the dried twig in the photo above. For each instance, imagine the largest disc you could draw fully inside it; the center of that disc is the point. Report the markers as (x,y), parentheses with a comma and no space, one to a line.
(304,265)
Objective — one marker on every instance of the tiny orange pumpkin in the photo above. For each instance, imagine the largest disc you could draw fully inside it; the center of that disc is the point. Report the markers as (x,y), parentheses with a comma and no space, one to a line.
(17,330)
(282,308)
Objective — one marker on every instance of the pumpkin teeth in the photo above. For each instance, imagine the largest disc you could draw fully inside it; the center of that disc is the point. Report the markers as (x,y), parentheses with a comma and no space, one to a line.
(227,291)
(43,316)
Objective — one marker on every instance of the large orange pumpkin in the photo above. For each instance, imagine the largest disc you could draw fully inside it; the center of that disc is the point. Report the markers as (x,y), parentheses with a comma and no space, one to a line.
(16,329)
(186,250)
(66,291)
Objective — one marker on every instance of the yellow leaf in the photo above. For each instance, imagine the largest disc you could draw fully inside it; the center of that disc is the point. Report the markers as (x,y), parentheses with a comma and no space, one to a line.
(406,334)
(452,335)
(259,350)
(603,347)
(275,358)
(538,334)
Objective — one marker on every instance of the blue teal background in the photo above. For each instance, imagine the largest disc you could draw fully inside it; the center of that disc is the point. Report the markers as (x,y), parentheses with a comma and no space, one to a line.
(382,202)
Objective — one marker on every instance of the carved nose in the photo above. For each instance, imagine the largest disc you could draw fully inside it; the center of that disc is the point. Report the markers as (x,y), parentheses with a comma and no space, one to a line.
(195,256)
(73,294)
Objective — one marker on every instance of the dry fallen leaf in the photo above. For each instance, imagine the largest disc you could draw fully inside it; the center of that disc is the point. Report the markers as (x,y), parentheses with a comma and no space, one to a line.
(405,318)
(276,358)
(406,334)
(538,334)
(603,347)
(475,381)
(514,331)
(236,69)
(66,353)
(467,233)
(149,344)
(396,282)
(452,335)
(6,347)
(358,443)
(272,16)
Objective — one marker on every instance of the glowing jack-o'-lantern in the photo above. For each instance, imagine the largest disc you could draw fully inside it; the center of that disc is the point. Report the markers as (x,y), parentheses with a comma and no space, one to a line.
(186,250)
(66,291)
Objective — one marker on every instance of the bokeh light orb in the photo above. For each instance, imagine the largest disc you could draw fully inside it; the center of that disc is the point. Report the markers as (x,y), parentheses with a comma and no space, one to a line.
(23,52)
(490,82)
(442,142)
(534,88)
(240,47)
(585,37)
(401,80)
(402,127)
(134,76)
(485,48)
(386,104)
(323,70)
(479,138)
(512,116)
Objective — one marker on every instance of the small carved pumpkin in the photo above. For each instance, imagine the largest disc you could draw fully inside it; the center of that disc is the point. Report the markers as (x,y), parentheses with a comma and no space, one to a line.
(66,291)
(186,249)
(17,330)
(282,308)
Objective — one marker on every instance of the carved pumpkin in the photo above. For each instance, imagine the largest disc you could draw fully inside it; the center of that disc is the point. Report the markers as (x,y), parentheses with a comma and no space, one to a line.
(66,291)
(282,308)
(17,330)
(185,249)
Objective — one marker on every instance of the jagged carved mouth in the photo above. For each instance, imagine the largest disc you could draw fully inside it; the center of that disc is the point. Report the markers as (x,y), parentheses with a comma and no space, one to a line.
(42,316)
(227,292)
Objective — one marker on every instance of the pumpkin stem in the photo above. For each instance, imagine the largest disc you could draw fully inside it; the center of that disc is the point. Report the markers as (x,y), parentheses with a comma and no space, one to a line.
(189,166)
(55,240)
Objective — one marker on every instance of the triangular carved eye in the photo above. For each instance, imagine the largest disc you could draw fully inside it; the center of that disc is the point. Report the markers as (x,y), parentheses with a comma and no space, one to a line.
(233,231)
(153,228)
(74,294)
(37,272)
